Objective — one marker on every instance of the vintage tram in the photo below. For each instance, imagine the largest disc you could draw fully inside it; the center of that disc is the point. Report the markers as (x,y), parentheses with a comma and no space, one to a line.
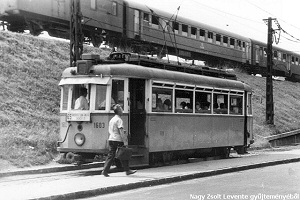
(171,112)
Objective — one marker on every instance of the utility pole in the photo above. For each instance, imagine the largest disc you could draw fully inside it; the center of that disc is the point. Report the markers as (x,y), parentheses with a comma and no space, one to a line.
(269,81)
(76,35)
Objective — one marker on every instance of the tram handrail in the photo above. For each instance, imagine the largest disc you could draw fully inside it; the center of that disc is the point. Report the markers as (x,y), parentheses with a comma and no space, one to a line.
(60,142)
(282,135)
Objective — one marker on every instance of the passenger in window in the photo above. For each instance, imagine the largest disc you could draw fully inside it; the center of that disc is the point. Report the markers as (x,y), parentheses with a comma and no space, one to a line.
(198,107)
(159,104)
(183,105)
(222,106)
(188,106)
(82,103)
(167,105)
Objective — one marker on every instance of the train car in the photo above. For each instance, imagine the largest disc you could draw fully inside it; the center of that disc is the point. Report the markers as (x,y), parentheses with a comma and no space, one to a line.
(53,16)
(216,114)
(130,25)
(125,19)
(285,63)
(193,39)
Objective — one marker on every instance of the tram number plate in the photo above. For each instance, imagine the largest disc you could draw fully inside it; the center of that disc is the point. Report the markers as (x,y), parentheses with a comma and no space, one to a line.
(78,117)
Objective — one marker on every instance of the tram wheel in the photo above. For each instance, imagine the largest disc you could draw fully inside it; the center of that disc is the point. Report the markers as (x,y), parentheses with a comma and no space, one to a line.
(225,152)
(70,157)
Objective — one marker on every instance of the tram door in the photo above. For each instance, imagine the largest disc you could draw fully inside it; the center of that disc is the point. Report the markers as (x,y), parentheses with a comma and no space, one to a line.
(137,114)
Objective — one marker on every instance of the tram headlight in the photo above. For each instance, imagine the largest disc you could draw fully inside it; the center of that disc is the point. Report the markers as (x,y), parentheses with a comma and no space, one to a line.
(79,139)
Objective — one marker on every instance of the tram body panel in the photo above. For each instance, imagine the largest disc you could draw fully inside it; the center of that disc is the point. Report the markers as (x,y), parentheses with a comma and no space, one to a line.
(178,132)
(94,131)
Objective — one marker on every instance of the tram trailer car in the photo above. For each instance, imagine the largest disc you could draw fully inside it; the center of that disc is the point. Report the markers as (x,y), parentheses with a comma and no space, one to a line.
(216,118)
(131,24)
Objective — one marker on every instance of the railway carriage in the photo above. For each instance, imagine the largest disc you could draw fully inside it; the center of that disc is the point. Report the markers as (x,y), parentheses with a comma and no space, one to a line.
(216,117)
(130,25)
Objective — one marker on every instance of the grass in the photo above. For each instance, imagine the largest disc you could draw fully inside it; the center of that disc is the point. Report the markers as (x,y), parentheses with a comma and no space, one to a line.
(30,72)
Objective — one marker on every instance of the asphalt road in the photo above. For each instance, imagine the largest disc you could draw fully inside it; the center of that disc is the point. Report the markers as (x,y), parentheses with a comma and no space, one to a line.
(275,182)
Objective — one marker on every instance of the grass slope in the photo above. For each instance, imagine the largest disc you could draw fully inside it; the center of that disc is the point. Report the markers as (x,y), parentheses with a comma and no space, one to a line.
(30,72)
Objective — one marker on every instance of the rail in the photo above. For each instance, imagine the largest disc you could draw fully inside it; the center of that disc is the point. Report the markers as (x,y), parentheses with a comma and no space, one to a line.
(292,137)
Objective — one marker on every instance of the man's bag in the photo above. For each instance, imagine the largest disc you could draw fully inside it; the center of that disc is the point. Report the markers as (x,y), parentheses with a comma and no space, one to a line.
(123,153)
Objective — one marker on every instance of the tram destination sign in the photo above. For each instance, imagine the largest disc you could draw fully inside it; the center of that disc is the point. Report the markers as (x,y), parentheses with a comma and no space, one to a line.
(84,117)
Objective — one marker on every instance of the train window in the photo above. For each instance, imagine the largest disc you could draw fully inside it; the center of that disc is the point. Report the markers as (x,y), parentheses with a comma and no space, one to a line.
(220,103)
(293,60)
(101,97)
(193,32)
(236,105)
(184,29)
(279,55)
(284,57)
(117,92)
(232,42)
(225,41)
(275,55)
(146,17)
(176,27)
(161,100)
(244,46)
(155,21)
(239,44)
(80,97)
(218,39)
(210,36)
(65,94)
(297,61)
(184,101)
(202,34)
(202,100)
(93,4)
(265,52)
(114,8)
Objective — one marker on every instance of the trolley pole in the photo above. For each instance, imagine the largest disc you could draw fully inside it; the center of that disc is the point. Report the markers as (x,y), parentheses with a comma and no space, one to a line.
(269,81)
(76,35)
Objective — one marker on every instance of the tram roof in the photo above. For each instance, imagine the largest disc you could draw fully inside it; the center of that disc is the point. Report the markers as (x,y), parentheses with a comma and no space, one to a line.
(138,71)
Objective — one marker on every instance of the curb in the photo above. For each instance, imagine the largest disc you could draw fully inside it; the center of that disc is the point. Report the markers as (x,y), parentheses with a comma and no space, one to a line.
(119,188)
(52,169)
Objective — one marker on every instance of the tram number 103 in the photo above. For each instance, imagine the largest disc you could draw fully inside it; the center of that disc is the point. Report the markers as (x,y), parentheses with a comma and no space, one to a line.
(99,125)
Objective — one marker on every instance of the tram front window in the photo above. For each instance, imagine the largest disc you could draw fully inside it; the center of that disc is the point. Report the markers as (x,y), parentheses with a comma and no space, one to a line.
(117,93)
(65,94)
(100,97)
(80,97)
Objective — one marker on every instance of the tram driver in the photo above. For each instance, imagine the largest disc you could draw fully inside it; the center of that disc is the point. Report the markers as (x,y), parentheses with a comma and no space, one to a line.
(81,102)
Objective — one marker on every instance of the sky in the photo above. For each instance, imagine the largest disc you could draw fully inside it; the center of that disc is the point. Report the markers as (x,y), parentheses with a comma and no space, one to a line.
(243,17)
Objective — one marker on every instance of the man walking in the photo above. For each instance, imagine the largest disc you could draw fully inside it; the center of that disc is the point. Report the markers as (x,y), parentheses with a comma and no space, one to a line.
(117,138)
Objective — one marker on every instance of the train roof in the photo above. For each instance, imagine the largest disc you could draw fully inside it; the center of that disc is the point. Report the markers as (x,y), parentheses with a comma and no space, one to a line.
(184,20)
(100,74)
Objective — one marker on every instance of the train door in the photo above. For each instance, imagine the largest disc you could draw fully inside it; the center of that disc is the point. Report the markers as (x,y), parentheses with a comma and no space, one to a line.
(137,24)
(137,113)
(58,8)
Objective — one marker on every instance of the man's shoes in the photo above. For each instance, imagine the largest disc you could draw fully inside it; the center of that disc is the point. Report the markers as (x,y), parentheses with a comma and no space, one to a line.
(129,172)
(104,174)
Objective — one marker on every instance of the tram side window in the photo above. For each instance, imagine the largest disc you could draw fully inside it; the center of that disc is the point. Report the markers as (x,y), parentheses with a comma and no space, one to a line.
(220,104)
(117,93)
(65,94)
(184,101)
(100,97)
(236,105)
(161,100)
(80,97)
(202,104)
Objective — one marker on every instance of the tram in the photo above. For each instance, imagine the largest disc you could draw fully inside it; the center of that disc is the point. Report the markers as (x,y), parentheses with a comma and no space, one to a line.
(170,112)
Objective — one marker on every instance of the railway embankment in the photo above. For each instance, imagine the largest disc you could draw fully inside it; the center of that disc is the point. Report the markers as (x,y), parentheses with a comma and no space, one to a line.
(30,71)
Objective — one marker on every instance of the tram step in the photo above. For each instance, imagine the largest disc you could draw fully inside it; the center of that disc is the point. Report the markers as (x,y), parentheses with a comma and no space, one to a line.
(137,155)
